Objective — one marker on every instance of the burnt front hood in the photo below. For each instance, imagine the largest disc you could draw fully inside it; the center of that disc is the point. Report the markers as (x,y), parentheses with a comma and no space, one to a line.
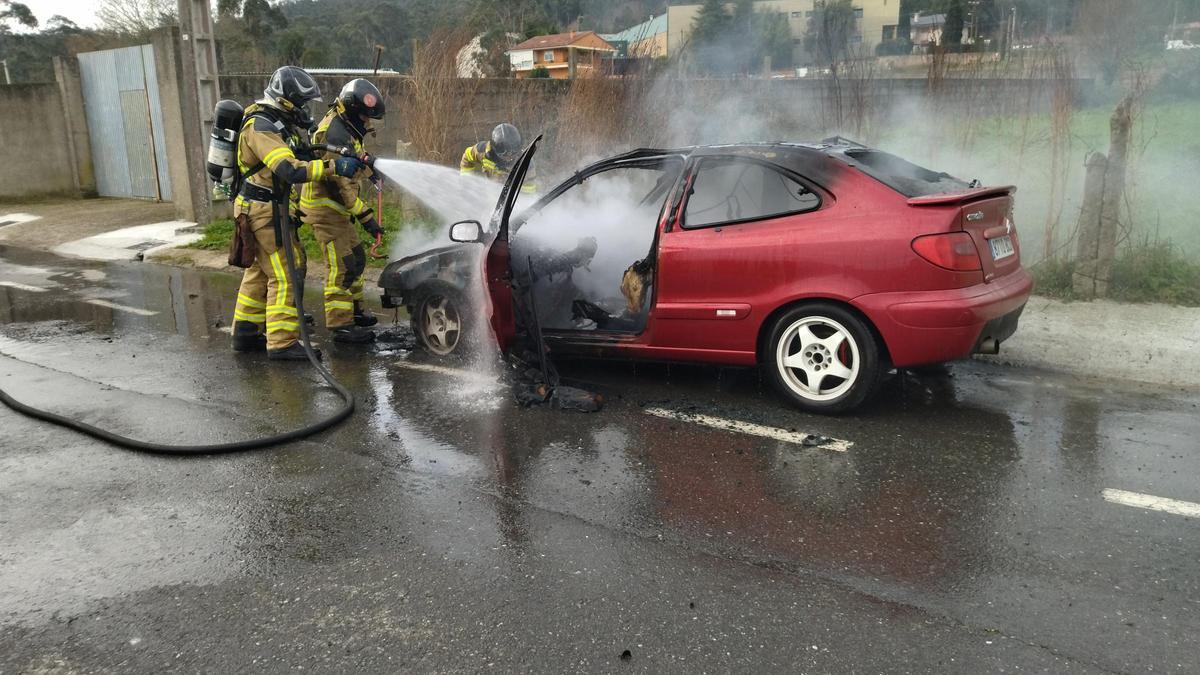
(408,272)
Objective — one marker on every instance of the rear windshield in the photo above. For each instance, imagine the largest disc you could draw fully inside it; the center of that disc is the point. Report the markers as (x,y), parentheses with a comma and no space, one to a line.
(903,176)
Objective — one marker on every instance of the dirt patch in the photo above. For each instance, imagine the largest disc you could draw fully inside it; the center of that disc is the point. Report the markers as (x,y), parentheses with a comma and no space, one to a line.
(1158,344)
(65,220)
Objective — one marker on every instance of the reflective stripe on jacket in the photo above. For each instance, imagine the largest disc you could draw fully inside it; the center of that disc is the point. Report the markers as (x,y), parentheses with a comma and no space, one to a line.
(334,199)
(265,141)
(479,159)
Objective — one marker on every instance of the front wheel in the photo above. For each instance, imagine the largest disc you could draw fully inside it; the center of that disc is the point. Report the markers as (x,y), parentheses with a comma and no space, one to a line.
(440,320)
(823,358)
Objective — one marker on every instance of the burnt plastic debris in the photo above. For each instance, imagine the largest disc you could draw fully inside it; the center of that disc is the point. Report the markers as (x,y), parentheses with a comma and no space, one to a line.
(396,337)
(571,398)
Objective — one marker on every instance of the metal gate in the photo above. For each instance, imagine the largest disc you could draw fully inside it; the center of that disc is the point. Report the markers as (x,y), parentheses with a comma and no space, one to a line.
(124,117)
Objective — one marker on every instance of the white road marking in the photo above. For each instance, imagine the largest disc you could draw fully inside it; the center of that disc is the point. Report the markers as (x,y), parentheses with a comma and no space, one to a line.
(773,433)
(1152,503)
(17,218)
(120,308)
(23,287)
(452,372)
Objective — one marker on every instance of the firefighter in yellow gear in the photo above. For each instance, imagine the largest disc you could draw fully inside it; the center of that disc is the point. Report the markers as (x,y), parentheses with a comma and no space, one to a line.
(493,159)
(272,134)
(333,205)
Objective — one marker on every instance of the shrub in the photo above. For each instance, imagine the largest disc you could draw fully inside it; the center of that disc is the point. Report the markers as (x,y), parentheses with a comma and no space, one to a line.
(1156,272)
(1146,272)
(540,73)
(1052,278)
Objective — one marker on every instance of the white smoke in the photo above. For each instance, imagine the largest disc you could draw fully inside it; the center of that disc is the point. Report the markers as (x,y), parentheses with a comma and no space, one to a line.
(449,195)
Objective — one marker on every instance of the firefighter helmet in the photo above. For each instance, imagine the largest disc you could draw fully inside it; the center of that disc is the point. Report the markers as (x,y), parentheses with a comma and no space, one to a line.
(360,100)
(506,143)
(292,90)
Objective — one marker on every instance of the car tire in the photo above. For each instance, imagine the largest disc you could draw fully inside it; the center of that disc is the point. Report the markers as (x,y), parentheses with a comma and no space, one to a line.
(441,320)
(823,358)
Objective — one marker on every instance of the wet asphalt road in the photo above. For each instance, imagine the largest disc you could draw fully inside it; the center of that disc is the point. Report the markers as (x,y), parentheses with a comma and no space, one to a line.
(963,529)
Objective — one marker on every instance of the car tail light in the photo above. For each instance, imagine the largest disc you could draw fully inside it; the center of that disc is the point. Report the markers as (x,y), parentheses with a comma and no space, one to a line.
(953,251)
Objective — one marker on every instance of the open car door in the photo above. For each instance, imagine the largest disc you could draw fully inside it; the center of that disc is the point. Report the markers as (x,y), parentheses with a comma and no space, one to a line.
(497,271)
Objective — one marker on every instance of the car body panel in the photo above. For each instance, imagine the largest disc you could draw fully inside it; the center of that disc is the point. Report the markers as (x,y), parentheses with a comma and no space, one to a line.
(935,326)
(717,288)
(497,262)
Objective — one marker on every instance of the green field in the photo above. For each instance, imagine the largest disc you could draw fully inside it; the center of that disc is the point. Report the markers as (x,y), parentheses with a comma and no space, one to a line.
(1163,201)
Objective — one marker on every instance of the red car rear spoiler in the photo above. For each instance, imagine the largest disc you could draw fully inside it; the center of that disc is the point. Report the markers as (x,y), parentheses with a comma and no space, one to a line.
(951,199)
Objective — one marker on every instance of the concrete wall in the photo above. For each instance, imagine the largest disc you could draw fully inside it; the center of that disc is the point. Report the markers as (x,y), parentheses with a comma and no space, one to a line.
(478,105)
(70,88)
(38,158)
(536,106)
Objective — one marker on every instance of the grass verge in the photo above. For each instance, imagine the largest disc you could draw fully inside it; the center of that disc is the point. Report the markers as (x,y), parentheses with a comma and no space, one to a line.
(219,233)
(1148,272)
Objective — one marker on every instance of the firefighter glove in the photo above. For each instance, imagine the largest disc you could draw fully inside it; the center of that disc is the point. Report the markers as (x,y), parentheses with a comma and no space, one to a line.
(370,224)
(346,167)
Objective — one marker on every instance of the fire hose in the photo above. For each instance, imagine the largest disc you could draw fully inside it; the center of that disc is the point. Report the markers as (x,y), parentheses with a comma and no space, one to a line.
(287,237)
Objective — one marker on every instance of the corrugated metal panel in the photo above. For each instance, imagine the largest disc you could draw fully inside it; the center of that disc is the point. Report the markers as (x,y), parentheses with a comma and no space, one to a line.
(156,119)
(138,142)
(124,115)
(102,103)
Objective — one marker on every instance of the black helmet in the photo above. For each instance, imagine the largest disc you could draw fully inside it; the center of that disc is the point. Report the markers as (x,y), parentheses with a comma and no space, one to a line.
(292,89)
(506,142)
(359,99)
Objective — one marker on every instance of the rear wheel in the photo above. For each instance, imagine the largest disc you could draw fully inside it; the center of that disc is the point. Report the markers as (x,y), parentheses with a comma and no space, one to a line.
(440,320)
(823,358)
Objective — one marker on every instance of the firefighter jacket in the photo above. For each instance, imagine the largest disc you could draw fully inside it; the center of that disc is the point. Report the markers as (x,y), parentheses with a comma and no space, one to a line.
(333,199)
(265,150)
(480,160)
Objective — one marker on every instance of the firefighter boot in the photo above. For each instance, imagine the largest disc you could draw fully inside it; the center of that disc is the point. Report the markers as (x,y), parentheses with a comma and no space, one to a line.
(292,353)
(364,318)
(247,338)
(353,335)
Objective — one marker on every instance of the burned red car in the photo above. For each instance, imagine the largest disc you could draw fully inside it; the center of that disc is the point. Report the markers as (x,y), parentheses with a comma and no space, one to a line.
(826,264)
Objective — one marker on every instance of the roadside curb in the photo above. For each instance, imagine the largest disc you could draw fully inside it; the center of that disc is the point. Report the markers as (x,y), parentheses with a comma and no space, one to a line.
(1151,343)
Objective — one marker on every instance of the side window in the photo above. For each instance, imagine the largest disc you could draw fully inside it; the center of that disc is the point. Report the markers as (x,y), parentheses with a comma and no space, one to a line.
(729,190)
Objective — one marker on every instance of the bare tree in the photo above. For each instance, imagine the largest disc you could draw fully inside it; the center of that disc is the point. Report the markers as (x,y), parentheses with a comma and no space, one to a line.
(1111,31)
(135,17)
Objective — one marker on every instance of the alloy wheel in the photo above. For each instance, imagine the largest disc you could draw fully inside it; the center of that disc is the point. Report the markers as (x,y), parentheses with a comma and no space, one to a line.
(818,358)
(441,325)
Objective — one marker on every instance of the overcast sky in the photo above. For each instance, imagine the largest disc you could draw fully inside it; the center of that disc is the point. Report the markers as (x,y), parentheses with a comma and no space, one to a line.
(82,12)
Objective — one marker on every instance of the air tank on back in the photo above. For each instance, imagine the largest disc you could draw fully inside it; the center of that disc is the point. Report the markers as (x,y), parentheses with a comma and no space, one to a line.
(222,145)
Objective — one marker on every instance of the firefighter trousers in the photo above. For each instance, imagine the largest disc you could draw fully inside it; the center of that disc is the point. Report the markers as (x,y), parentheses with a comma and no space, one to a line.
(345,262)
(267,297)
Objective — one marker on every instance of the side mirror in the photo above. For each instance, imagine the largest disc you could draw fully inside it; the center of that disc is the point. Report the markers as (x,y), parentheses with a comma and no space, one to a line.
(467,232)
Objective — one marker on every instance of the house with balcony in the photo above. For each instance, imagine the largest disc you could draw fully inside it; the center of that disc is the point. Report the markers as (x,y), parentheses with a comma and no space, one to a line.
(564,56)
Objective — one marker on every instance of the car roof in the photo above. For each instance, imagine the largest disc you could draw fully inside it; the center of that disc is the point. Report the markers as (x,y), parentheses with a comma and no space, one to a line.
(813,160)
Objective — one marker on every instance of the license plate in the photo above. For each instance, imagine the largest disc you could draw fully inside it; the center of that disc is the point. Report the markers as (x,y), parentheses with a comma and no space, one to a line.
(1002,247)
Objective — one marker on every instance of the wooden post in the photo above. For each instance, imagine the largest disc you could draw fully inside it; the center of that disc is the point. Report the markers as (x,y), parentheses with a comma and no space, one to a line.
(1087,245)
(1114,193)
(1100,215)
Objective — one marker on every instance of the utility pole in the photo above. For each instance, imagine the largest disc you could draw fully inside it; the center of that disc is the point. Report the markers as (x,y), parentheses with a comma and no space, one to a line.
(200,90)
(7,79)
(200,48)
